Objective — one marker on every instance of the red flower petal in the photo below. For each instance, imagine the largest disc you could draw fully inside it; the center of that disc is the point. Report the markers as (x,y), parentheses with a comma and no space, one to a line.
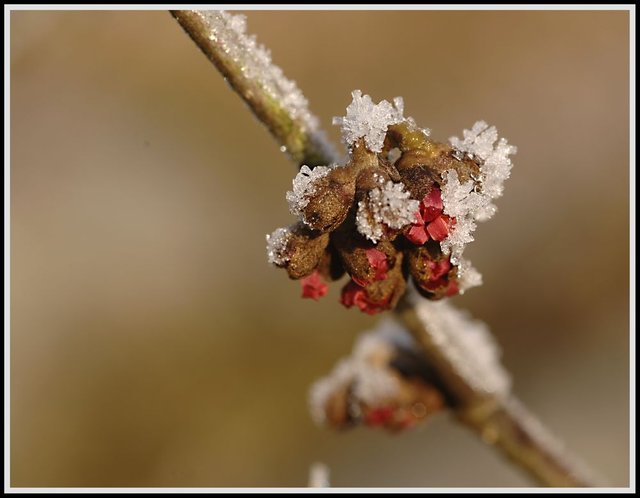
(354,294)
(313,286)
(439,268)
(431,206)
(378,261)
(379,416)
(417,234)
(439,228)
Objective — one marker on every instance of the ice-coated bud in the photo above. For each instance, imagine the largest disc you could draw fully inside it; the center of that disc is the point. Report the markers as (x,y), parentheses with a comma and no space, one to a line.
(327,207)
(297,249)
(402,205)
(386,382)
(434,275)
(377,295)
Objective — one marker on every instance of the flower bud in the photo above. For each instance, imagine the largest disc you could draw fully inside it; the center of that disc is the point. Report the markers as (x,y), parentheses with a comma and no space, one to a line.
(378,295)
(297,248)
(323,196)
(432,271)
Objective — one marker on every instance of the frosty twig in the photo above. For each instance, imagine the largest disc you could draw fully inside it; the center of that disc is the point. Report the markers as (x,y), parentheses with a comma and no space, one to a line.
(489,408)
(477,388)
(247,67)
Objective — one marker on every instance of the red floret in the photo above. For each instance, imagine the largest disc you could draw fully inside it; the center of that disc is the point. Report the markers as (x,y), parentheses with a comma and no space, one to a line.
(313,287)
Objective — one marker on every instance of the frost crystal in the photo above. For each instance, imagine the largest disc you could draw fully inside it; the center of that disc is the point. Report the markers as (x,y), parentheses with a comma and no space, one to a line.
(461,202)
(473,200)
(468,276)
(388,205)
(304,187)
(277,246)
(495,165)
(367,120)
(467,344)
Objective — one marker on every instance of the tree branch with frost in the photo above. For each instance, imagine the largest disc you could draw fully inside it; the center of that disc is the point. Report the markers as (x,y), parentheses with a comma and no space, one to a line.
(246,65)
(456,357)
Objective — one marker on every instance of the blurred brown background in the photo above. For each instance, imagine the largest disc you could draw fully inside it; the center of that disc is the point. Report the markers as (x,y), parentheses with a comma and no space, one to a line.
(152,345)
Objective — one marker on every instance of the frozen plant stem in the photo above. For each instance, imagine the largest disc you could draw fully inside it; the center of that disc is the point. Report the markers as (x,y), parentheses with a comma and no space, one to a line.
(275,100)
(500,420)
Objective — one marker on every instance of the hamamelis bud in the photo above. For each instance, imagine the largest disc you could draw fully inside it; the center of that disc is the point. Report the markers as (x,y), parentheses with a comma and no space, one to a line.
(377,295)
(297,249)
(434,275)
(403,204)
(386,382)
(328,208)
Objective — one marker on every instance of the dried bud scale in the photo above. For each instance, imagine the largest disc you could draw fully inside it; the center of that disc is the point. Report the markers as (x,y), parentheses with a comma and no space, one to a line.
(403,206)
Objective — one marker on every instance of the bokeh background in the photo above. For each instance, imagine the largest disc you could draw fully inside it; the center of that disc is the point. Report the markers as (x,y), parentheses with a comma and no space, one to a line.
(152,345)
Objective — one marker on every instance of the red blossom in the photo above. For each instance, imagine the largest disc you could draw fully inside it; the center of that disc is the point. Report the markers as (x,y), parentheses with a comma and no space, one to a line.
(354,294)
(439,268)
(313,287)
(417,233)
(430,221)
(439,278)
(379,416)
(439,227)
(378,261)
(431,205)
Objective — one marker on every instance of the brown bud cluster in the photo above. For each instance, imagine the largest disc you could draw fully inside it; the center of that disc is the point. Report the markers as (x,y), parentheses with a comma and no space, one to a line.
(379,218)
(380,385)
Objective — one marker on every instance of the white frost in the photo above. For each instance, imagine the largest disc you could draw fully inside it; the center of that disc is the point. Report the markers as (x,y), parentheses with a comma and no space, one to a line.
(495,165)
(388,205)
(370,121)
(304,187)
(472,201)
(277,246)
(466,343)
(468,276)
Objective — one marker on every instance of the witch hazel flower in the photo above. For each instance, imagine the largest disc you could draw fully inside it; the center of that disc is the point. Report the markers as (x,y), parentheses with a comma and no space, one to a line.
(313,286)
(401,208)
(430,222)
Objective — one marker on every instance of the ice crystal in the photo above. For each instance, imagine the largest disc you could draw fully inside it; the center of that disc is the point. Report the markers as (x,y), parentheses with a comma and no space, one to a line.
(472,200)
(388,205)
(468,276)
(370,121)
(276,246)
(304,187)
(467,344)
(495,164)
